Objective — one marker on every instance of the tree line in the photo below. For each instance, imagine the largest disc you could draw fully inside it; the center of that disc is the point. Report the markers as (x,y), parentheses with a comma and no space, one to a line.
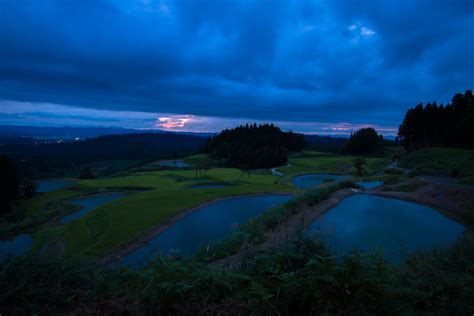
(13,184)
(432,125)
(254,146)
(364,141)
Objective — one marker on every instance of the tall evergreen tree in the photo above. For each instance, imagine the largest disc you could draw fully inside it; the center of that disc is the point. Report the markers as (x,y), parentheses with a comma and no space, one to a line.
(433,125)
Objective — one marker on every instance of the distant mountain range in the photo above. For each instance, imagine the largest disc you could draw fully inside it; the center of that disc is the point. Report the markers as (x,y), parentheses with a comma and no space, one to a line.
(107,147)
(70,133)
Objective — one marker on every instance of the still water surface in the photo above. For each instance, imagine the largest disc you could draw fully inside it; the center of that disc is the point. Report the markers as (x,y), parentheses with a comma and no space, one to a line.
(175,164)
(52,185)
(15,246)
(206,225)
(310,180)
(395,227)
(89,204)
(369,184)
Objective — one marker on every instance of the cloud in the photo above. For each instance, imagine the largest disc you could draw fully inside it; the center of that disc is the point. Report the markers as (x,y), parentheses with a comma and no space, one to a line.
(303,61)
(26,113)
(365,31)
(174,122)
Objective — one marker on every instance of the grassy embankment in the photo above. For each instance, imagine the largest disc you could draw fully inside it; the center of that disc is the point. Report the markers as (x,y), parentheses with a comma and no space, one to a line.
(318,162)
(452,162)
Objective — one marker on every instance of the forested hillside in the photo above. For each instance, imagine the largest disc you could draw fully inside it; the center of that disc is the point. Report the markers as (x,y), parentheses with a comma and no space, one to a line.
(110,147)
(326,143)
(254,146)
(66,159)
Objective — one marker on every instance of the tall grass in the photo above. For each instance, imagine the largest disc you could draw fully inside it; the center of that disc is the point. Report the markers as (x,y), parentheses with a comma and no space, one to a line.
(302,278)
(254,231)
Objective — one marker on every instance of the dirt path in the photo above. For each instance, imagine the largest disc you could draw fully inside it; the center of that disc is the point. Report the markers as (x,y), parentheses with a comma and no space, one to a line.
(277,172)
(291,228)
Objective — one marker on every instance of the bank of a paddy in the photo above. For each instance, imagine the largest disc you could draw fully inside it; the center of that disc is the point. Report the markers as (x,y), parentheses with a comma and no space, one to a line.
(150,234)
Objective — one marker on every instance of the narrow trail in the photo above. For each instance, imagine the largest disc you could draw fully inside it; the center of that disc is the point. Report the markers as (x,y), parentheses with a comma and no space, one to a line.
(288,230)
(278,173)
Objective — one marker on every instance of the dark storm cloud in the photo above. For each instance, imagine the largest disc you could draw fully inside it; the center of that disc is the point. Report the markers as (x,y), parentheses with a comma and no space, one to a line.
(335,61)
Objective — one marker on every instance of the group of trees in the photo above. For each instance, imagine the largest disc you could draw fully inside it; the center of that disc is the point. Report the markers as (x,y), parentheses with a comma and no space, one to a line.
(433,125)
(13,184)
(365,141)
(59,159)
(254,146)
(330,144)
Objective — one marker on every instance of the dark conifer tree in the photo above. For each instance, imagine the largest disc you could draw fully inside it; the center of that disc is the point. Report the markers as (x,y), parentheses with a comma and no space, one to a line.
(433,125)
(365,141)
(253,146)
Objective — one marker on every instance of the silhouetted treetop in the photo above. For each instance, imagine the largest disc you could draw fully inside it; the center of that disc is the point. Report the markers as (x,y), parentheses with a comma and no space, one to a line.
(254,146)
(433,125)
(365,141)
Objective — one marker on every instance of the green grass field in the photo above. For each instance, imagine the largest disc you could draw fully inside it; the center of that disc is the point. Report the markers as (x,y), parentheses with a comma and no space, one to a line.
(167,193)
(170,192)
(454,162)
(317,162)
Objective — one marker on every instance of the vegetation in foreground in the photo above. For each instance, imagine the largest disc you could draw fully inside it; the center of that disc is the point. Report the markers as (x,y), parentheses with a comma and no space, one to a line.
(302,278)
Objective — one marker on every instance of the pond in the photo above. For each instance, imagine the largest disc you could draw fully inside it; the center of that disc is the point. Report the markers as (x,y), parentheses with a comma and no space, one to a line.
(310,180)
(88,204)
(15,246)
(369,184)
(52,185)
(175,164)
(210,186)
(395,227)
(206,225)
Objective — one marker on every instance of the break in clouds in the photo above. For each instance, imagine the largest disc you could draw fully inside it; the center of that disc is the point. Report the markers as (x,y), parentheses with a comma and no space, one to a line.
(310,66)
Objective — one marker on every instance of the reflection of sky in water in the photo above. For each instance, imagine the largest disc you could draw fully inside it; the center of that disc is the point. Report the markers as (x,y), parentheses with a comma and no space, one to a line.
(51,185)
(175,164)
(204,226)
(210,186)
(307,181)
(16,246)
(366,222)
(369,184)
(89,204)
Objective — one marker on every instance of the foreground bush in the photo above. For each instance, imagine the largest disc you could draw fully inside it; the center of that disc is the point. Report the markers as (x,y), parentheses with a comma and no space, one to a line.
(300,279)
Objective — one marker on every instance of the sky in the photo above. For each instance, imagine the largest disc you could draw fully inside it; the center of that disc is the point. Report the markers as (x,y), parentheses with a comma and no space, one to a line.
(324,67)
